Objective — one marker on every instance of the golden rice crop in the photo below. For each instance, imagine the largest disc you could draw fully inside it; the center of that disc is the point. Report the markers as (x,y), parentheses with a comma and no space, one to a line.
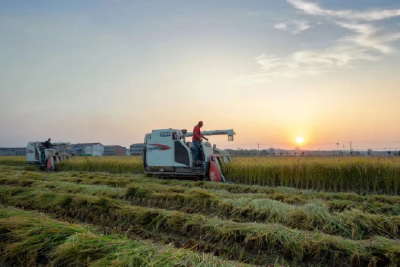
(353,174)
(366,175)
(103,164)
(13,160)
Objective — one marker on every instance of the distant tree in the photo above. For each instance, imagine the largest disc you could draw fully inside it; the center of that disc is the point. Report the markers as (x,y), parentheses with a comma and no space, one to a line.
(281,153)
(287,153)
(389,152)
(369,152)
(295,153)
(302,153)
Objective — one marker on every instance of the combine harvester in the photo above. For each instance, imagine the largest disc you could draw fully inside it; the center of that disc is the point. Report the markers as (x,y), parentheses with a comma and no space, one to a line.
(167,154)
(45,159)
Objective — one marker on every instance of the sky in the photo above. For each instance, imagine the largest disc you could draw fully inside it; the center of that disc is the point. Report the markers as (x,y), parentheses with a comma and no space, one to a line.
(111,71)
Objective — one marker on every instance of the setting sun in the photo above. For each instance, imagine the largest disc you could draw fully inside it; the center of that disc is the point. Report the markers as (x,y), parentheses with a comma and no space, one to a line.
(299,140)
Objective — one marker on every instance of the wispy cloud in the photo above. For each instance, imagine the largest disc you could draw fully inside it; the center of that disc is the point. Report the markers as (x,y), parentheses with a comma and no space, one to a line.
(370,15)
(280,26)
(305,63)
(367,43)
(295,26)
(370,37)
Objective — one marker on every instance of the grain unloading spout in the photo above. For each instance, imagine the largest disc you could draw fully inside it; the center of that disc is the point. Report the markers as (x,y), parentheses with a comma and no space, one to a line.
(230,133)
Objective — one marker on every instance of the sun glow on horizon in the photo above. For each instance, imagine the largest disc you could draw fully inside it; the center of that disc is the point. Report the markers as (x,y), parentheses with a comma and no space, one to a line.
(299,140)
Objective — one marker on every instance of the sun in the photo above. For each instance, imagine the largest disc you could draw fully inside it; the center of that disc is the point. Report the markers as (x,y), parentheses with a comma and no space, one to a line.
(299,140)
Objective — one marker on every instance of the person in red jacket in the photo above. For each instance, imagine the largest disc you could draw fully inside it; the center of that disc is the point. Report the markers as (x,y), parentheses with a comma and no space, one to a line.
(197,139)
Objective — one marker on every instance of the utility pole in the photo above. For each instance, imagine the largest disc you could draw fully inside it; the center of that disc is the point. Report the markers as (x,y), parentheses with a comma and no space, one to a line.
(350,148)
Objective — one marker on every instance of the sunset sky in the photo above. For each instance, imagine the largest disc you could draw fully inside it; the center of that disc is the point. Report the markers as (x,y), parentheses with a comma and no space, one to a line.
(110,71)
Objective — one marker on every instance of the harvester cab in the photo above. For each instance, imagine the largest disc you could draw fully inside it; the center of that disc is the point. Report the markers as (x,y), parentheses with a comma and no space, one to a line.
(167,154)
(46,159)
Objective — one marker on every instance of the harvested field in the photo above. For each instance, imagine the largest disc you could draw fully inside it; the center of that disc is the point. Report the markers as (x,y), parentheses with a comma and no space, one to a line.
(31,238)
(144,221)
(363,175)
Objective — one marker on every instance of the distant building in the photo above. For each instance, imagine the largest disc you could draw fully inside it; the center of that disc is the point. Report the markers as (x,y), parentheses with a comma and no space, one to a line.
(114,151)
(92,149)
(298,152)
(243,152)
(12,151)
(20,151)
(137,149)
(7,151)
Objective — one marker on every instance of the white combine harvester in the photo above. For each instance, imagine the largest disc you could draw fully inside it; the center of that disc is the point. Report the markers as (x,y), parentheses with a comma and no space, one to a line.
(167,154)
(45,159)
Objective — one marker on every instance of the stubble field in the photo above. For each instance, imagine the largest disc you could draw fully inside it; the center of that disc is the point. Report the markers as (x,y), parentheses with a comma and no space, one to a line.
(278,212)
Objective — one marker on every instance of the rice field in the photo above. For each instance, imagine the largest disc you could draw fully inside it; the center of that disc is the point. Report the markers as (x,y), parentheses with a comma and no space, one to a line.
(363,175)
(106,212)
(12,160)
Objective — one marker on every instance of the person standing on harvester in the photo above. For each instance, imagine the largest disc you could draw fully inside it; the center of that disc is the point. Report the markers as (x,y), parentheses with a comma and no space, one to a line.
(48,144)
(197,138)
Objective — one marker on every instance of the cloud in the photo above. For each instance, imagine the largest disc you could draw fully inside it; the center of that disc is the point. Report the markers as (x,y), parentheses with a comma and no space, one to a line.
(366,43)
(369,36)
(280,26)
(311,63)
(295,26)
(371,15)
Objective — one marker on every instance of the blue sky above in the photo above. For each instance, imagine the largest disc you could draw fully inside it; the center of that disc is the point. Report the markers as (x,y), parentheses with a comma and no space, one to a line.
(112,70)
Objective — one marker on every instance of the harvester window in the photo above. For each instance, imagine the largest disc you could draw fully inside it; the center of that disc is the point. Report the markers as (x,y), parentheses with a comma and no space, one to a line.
(181,154)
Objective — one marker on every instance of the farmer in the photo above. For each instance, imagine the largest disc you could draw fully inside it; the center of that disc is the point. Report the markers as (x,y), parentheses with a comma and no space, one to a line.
(48,144)
(197,139)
